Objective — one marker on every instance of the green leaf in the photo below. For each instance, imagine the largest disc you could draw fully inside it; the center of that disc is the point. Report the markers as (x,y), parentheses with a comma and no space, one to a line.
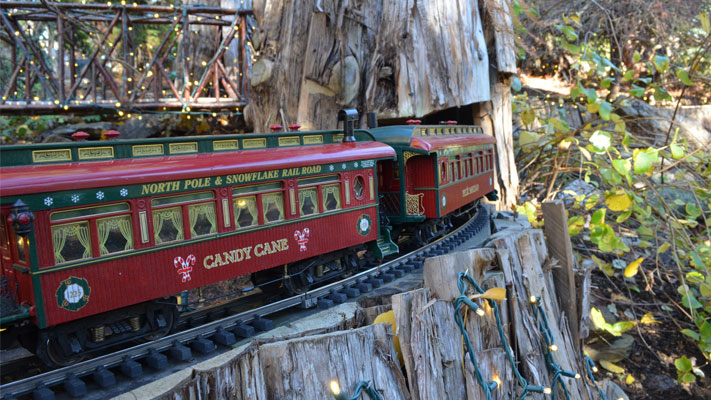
(516,84)
(637,91)
(622,167)
(606,83)
(636,56)
(644,159)
(683,364)
(618,328)
(663,248)
(705,329)
(618,201)
(612,367)
(568,31)
(677,151)
(598,217)
(624,216)
(691,334)
(593,108)
(692,210)
(661,63)
(688,378)
(661,94)
(683,75)
(605,110)
(697,261)
(628,75)
(527,138)
(705,23)
(575,225)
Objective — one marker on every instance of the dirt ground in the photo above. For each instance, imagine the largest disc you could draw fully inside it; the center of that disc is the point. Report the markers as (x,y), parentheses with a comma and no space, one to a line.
(656,346)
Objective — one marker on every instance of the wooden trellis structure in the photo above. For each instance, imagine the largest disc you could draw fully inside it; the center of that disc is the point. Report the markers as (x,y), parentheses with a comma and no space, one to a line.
(122,57)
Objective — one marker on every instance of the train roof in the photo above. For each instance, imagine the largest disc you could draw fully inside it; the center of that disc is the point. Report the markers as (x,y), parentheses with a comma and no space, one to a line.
(432,138)
(32,179)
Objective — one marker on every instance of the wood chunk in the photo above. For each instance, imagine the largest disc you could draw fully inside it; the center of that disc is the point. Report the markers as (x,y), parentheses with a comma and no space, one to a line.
(441,272)
(493,365)
(303,368)
(520,257)
(558,240)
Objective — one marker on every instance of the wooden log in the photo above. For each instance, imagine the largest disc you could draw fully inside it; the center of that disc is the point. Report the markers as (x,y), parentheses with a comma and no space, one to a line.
(558,241)
(506,182)
(520,256)
(303,368)
(502,25)
(440,273)
(398,59)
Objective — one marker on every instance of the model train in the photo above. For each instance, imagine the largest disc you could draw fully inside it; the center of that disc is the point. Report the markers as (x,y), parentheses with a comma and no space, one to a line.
(98,238)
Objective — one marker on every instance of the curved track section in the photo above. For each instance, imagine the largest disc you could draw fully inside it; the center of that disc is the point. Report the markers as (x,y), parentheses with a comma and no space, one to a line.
(156,354)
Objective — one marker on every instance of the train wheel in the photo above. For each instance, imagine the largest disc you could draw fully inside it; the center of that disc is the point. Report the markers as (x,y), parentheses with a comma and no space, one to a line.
(53,353)
(162,319)
(301,278)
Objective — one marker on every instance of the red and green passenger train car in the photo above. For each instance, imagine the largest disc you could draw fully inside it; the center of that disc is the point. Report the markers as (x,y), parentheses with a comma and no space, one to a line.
(89,228)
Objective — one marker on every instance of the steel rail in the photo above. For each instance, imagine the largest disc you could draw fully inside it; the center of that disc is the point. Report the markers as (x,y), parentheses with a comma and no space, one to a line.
(28,385)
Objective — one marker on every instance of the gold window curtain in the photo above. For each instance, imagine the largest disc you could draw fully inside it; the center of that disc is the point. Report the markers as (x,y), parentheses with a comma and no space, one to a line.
(106,225)
(277,199)
(204,209)
(60,233)
(310,194)
(334,190)
(173,215)
(248,204)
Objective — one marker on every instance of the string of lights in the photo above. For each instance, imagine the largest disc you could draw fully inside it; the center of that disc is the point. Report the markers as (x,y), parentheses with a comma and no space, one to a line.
(551,347)
(360,387)
(591,367)
(463,300)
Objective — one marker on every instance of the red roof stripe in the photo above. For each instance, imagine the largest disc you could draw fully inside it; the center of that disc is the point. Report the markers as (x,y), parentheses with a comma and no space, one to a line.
(75,176)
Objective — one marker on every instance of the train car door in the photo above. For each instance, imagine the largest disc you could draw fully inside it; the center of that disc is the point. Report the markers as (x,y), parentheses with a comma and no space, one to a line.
(6,260)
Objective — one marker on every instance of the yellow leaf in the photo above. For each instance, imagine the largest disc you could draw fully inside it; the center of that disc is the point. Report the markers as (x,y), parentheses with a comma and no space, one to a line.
(630,379)
(389,318)
(614,368)
(619,201)
(633,267)
(497,293)
(648,318)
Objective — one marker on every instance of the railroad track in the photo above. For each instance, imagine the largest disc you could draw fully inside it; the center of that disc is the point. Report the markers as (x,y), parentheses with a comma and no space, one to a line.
(135,362)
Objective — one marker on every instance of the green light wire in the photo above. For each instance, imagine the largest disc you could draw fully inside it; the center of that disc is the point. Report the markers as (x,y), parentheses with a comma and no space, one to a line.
(553,366)
(462,279)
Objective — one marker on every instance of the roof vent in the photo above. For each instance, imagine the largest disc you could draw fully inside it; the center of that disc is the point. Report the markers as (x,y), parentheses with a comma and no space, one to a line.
(349,117)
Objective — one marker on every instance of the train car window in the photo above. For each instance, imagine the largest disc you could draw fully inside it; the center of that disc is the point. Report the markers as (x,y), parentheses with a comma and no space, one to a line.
(331,197)
(115,234)
(256,188)
(168,224)
(246,211)
(450,172)
(308,200)
(318,179)
(87,212)
(358,187)
(273,206)
(443,171)
(183,198)
(203,219)
(22,249)
(71,242)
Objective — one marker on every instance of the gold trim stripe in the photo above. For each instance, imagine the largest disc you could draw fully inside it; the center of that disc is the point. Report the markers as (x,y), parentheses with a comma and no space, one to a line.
(92,153)
(43,156)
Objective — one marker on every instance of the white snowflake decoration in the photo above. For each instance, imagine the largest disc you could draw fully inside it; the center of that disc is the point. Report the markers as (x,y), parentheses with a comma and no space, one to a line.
(124,192)
(75,198)
(330,167)
(355,164)
(343,165)
(48,201)
(100,195)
